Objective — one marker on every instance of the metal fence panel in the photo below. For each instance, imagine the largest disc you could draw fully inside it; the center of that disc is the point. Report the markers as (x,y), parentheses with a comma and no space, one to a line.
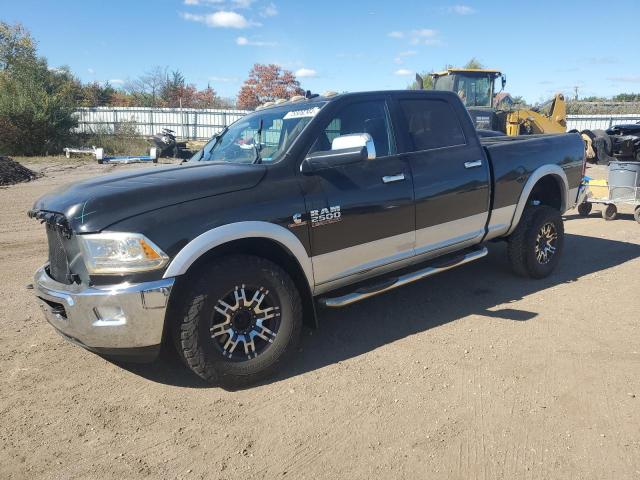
(591,122)
(196,124)
(188,123)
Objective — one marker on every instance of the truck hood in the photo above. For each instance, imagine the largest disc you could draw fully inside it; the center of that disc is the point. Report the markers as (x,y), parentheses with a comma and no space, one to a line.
(92,205)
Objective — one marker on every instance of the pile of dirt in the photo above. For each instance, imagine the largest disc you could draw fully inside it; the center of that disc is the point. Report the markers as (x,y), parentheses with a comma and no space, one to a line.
(11,172)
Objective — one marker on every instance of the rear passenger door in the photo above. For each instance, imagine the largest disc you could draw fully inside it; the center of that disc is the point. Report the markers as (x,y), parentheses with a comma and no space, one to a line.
(450,172)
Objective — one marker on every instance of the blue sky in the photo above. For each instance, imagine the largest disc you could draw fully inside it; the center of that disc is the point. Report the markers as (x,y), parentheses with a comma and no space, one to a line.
(542,46)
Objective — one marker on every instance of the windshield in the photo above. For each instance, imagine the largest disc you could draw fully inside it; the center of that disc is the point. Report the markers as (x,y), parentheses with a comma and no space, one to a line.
(260,137)
(475,91)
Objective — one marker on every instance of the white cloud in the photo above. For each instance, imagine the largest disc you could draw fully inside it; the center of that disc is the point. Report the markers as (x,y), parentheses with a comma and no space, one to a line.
(116,81)
(306,73)
(243,3)
(398,61)
(403,72)
(610,60)
(203,2)
(408,53)
(626,78)
(220,19)
(223,79)
(270,10)
(462,10)
(244,41)
(91,71)
(420,36)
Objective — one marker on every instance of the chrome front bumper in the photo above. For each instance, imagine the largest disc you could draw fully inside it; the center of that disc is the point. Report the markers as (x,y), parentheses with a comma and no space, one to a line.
(106,319)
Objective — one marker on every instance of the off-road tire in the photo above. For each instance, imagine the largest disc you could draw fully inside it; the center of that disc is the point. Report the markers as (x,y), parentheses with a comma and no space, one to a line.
(636,214)
(191,331)
(584,209)
(610,212)
(521,244)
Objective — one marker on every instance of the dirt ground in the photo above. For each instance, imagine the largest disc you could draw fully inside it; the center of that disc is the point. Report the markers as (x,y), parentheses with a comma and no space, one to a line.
(473,374)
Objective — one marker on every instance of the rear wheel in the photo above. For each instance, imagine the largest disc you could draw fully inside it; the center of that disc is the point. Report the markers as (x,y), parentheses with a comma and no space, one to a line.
(610,212)
(636,214)
(584,209)
(241,318)
(535,246)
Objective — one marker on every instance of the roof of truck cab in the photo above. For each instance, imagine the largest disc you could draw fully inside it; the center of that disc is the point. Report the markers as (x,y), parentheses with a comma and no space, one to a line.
(449,71)
(321,98)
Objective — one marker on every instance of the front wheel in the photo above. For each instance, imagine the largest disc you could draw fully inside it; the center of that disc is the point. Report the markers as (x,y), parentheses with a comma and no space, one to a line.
(535,246)
(241,318)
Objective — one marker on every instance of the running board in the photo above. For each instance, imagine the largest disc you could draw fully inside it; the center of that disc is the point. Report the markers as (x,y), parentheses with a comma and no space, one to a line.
(395,282)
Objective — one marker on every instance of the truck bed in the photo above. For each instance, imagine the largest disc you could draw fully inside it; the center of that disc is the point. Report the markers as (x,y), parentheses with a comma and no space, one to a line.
(516,158)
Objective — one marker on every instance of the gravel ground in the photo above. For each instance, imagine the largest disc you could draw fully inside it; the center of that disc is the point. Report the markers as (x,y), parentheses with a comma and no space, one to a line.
(473,374)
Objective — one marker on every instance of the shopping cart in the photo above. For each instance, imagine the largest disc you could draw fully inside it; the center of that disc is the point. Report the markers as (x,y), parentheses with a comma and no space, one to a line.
(623,187)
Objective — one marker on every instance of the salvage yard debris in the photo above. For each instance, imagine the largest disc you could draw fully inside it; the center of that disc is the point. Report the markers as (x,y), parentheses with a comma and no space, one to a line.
(11,172)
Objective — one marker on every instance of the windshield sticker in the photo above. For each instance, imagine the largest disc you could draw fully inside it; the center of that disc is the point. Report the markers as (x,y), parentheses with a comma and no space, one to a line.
(309,112)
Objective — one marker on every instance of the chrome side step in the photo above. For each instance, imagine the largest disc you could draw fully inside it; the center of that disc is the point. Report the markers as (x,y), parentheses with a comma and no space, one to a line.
(385,286)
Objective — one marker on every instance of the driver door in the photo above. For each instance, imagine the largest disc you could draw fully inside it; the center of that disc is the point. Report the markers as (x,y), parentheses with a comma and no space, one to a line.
(362,216)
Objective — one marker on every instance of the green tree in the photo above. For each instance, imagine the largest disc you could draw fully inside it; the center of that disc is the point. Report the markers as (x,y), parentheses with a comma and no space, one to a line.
(36,103)
(474,63)
(427,81)
(627,97)
(95,94)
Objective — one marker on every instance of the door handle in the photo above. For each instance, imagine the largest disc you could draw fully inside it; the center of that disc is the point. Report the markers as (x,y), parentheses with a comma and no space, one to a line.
(393,178)
(477,163)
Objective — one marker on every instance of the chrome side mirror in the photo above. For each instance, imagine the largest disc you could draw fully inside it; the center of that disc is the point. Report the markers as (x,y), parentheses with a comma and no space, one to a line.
(355,140)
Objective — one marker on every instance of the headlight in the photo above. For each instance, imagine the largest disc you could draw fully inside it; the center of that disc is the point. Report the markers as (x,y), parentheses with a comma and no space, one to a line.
(119,252)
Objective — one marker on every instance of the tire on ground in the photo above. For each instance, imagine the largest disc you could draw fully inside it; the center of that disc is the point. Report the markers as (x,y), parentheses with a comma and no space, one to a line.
(521,244)
(610,212)
(584,209)
(192,334)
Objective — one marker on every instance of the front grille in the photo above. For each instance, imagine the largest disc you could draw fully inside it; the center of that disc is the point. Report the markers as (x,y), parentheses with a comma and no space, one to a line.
(58,263)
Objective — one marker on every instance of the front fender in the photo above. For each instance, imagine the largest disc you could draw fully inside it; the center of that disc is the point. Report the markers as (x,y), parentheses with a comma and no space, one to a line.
(215,237)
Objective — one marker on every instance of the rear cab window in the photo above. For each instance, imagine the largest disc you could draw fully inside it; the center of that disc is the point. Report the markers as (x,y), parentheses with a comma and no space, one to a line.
(431,123)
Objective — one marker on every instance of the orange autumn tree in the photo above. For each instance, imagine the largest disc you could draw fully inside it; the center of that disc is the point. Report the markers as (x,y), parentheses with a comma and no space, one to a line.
(267,83)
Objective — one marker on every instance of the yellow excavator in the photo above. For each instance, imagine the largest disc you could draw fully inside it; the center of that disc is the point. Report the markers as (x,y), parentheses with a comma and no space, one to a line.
(495,110)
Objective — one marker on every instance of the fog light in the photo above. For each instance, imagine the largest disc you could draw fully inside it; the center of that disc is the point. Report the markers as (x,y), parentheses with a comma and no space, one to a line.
(109,316)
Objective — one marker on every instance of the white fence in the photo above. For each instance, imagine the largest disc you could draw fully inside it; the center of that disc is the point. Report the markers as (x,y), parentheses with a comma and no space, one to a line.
(194,124)
(591,122)
(188,123)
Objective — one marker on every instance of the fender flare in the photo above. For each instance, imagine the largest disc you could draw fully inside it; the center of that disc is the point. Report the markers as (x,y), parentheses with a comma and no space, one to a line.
(553,170)
(215,237)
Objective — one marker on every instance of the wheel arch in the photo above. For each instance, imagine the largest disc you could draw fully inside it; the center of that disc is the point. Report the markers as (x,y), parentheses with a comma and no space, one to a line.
(549,186)
(262,239)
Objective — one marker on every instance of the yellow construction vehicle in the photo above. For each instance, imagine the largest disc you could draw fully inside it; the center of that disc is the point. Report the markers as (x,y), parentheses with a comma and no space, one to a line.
(495,110)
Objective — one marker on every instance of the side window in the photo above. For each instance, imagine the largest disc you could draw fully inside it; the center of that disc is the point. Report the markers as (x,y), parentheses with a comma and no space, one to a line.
(432,124)
(364,117)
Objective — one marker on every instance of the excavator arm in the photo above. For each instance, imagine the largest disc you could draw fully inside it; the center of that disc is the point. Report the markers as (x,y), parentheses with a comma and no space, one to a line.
(526,122)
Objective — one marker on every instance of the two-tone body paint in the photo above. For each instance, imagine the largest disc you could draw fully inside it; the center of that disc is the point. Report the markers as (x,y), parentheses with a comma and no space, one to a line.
(439,206)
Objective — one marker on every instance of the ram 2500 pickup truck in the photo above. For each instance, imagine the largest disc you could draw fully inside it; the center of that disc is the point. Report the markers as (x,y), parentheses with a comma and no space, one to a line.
(320,201)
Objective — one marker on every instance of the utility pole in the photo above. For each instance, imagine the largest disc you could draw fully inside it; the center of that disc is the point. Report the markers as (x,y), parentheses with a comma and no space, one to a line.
(575,89)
